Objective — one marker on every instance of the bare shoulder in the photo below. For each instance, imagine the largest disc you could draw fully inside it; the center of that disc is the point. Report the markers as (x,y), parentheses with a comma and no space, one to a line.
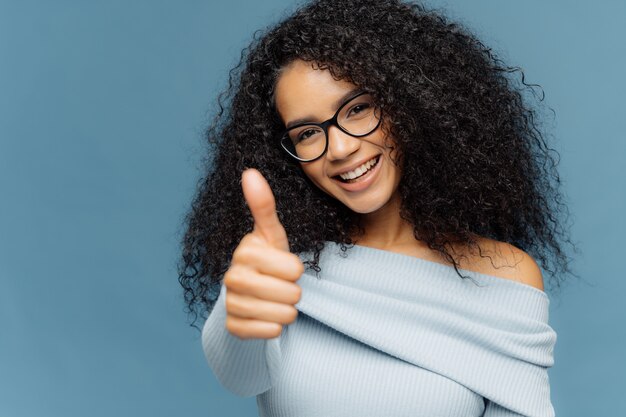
(506,261)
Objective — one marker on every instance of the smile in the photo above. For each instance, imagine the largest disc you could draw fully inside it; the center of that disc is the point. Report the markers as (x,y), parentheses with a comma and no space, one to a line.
(355,182)
(359,171)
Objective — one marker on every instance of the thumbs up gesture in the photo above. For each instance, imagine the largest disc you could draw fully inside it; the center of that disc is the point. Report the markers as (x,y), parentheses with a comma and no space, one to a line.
(261,288)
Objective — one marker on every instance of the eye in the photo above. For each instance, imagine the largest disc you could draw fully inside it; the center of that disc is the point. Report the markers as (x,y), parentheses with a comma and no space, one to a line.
(306,134)
(359,111)
(359,108)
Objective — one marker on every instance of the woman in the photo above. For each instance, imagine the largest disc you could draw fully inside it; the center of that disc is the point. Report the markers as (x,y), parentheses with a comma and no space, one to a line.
(385,148)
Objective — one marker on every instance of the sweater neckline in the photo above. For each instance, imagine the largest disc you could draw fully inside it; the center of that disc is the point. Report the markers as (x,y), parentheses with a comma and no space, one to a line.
(410,262)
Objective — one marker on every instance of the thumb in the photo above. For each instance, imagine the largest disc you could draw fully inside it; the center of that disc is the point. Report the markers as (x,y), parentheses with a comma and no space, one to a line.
(260,200)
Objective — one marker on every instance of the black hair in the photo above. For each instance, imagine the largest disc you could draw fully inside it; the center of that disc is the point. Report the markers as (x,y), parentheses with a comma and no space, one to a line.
(475,161)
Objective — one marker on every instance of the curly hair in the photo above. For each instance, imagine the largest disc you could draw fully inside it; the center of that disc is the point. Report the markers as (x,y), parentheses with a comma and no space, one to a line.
(475,162)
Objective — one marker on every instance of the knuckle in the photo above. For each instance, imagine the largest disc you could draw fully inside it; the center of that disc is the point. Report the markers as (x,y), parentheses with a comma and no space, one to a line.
(246,249)
(236,278)
(242,252)
(228,277)
(245,239)
(229,303)
(232,278)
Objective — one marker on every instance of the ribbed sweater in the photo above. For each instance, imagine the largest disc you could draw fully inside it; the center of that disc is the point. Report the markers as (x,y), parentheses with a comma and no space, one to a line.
(381,334)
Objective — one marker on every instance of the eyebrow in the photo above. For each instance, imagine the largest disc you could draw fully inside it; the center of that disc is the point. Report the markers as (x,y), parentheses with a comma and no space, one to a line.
(341,100)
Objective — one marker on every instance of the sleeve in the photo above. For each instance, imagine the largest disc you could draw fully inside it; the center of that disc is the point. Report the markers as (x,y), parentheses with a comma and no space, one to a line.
(246,367)
(523,390)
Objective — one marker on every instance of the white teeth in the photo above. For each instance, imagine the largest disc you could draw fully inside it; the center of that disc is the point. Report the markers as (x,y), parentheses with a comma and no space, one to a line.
(358,171)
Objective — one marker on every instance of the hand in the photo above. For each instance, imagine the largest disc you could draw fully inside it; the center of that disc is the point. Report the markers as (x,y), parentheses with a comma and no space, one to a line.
(261,280)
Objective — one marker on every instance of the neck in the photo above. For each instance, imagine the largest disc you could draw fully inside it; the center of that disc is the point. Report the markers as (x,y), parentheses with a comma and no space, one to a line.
(385,229)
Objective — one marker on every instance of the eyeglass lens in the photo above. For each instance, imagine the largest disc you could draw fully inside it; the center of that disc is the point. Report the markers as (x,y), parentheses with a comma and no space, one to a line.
(358,117)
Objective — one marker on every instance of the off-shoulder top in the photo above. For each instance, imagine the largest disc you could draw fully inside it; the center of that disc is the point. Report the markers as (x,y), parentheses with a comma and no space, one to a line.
(380,333)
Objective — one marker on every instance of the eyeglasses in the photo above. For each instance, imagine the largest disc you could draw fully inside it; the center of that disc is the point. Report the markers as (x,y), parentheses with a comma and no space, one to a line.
(358,116)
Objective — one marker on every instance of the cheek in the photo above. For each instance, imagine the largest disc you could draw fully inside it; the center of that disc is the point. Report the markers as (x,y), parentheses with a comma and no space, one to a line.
(314,173)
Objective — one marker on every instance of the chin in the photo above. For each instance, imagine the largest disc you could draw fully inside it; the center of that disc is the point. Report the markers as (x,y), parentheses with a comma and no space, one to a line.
(364,208)
(368,204)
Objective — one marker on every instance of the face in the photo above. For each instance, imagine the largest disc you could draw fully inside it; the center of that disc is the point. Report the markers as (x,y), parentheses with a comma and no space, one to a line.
(304,92)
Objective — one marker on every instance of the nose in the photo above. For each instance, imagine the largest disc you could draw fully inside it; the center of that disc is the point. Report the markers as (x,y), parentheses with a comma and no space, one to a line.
(340,144)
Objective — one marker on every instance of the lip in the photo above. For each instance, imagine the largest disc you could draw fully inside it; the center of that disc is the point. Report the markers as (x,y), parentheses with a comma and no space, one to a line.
(355,166)
(367,180)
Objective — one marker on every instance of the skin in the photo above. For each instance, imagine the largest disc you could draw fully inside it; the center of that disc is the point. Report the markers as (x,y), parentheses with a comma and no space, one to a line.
(261,281)
(303,90)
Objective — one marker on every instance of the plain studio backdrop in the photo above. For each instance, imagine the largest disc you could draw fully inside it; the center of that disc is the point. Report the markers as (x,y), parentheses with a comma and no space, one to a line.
(102,110)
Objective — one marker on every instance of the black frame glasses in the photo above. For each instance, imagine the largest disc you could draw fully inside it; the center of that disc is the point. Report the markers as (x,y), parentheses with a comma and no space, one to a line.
(325,125)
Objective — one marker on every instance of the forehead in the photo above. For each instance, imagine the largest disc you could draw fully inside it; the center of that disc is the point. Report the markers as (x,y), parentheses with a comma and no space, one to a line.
(302,90)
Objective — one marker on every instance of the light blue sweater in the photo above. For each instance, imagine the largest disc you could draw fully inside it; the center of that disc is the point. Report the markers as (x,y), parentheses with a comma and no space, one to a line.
(382,334)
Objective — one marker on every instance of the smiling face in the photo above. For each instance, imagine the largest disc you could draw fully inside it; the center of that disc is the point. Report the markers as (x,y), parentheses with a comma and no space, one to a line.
(303,92)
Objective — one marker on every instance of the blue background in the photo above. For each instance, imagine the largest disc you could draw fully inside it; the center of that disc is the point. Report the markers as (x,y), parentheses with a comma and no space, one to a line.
(102,110)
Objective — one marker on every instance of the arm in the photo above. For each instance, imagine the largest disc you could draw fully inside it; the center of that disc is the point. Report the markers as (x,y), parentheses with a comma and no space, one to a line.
(246,367)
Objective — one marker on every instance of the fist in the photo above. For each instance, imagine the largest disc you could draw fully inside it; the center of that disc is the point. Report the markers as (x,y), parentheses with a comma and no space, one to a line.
(261,288)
